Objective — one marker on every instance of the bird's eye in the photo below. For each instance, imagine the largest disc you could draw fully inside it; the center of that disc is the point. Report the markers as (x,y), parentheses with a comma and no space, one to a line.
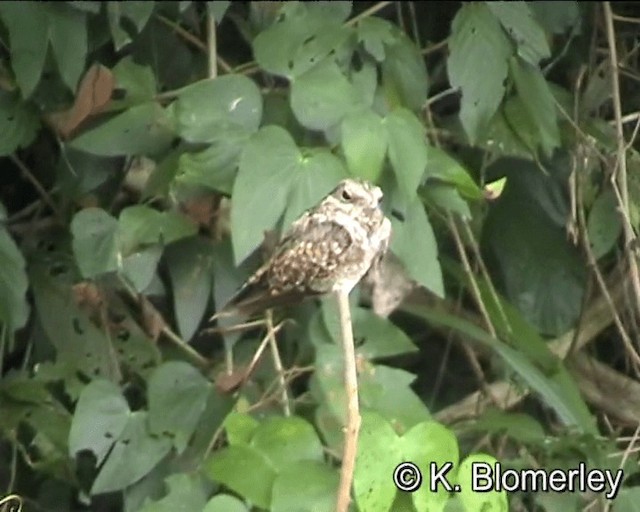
(346,195)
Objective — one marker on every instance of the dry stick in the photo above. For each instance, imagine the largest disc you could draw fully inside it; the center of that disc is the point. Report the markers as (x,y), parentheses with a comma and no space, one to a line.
(212,50)
(353,408)
(621,164)
(277,363)
(36,184)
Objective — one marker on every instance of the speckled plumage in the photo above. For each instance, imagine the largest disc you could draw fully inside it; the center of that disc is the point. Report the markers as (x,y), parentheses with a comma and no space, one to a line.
(330,247)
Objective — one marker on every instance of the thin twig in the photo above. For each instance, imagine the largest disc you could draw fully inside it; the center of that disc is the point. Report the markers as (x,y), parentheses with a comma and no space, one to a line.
(369,12)
(353,408)
(277,362)
(192,353)
(36,184)
(621,164)
(212,49)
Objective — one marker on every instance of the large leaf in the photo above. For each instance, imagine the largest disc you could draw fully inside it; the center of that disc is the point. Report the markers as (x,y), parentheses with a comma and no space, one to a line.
(538,102)
(177,399)
(141,130)
(364,142)
(133,456)
(604,224)
(100,417)
(404,74)
(14,309)
(302,36)
(285,441)
(539,271)
(322,97)
(245,471)
(94,241)
(28,26)
(518,20)
(18,123)
(414,243)
(556,388)
(407,149)
(211,110)
(277,179)
(305,486)
(190,272)
(475,33)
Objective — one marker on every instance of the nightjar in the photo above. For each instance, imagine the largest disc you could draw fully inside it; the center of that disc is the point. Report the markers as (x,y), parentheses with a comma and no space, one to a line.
(328,249)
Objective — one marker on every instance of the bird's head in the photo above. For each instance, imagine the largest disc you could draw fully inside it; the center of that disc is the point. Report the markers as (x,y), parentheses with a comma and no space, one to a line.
(357,193)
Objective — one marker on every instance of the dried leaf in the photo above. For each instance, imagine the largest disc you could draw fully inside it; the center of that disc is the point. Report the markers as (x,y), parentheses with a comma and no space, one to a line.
(94,94)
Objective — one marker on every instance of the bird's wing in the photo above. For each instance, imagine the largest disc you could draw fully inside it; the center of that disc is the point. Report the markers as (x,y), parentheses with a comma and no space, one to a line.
(301,266)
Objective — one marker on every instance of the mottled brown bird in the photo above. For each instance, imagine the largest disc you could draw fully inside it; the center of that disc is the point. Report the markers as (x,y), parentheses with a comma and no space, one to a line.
(329,248)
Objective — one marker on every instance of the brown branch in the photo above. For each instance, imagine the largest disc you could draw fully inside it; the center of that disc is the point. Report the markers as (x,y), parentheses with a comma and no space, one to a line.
(620,175)
(353,408)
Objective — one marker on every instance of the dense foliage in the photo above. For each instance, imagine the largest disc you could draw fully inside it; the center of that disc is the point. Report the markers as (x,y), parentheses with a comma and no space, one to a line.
(152,151)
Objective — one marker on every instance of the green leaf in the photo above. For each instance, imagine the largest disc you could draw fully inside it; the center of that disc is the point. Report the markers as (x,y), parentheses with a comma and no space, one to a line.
(245,471)
(557,17)
(317,174)
(186,493)
(518,20)
(428,443)
(28,26)
(94,241)
(364,142)
(558,390)
(448,169)
(140,267)
(488,499)
(133,456)
(233,104)
(135,11)
(302,36)
(274,174)
(138,81)
(240,428)
(217,9)
(214,167)
(375,33)
(266,169)
(382,389)
(379,336)
(75,337)
(100,417)
(141,130)
(407,149)
(68,35)
(177,398)
(285,441)
(604,224)
(379,452)
(475,33)
(322,97)
(446,197)
(538,270)
(19,122)
(14,309)
(538,102)
(225,503)
(305,486)
(190,272)
(140,226)
(404,74)
(414,243)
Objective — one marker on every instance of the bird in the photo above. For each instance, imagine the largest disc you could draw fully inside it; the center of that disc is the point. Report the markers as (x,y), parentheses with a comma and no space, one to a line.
(329,248)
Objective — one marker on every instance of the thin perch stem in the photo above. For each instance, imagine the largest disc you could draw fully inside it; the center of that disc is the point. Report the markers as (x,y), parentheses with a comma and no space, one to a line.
(353,408)
(277,363)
